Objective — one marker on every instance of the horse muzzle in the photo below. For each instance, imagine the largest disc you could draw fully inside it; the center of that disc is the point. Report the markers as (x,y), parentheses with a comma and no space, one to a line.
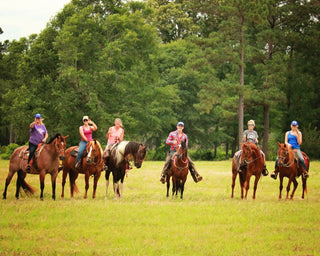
(138,165)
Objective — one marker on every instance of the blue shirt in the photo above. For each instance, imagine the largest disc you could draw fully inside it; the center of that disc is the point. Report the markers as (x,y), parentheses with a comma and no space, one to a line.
(293,141)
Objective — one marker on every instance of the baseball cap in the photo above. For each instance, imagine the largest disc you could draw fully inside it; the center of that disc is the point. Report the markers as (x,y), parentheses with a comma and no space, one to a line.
(37,116)
(294,123)
(180,123)
(85,117)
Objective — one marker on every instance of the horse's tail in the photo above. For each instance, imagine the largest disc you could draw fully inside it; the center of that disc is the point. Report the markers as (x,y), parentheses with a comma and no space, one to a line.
(27,188)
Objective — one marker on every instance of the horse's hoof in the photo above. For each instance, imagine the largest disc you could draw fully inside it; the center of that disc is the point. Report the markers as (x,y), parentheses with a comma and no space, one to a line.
(273,176)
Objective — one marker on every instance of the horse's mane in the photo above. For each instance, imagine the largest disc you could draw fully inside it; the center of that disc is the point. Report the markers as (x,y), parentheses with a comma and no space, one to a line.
(253,147)
(120,151)
(99,145)
(54,137)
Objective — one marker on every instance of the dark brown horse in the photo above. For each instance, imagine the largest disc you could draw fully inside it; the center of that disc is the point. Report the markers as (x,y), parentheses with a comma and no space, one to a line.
(179,170)
(253,159)
(117,162)
(46,160)
(91,164)
(288,167)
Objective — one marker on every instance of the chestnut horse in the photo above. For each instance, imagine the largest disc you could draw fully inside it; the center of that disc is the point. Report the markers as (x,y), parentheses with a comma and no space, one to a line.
(117,162)
(288,167)
(252,157)
(179,170)
(46,160)
(91,164)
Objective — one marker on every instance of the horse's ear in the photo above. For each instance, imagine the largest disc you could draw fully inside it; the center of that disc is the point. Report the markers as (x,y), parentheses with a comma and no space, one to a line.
(279,144)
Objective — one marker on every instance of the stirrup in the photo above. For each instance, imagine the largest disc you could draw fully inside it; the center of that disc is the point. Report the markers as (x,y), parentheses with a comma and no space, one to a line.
(265,172)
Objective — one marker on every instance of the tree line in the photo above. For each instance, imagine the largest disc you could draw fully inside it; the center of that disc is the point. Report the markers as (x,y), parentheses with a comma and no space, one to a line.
(212,64)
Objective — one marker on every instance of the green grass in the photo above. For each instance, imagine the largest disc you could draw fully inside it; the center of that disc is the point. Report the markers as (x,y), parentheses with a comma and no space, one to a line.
(206,222)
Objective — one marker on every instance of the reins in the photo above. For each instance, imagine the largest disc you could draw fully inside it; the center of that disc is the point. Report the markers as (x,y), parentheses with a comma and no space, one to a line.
(284,158)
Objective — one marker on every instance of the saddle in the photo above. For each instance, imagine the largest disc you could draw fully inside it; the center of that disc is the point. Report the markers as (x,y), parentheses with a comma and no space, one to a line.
(74,152)
(24,154)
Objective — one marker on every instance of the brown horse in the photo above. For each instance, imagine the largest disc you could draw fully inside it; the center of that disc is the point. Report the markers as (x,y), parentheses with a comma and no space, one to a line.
(91,164)
(46,160)
(117,162)
(288,167)
(253,159)
(179,170)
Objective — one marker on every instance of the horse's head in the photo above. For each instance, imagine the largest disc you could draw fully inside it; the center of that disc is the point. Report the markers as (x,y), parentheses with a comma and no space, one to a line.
(61,145)
(94,152)
(182,149)
(246,152)
(139,156)
(283,154)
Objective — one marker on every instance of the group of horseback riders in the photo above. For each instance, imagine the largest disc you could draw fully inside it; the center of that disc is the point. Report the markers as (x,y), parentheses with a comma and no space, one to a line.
(115,134)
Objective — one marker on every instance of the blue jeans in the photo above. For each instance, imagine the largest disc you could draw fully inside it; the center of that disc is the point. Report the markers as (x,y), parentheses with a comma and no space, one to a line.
(82,147)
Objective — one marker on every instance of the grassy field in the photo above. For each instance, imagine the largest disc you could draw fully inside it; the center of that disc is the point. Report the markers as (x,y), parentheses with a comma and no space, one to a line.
(206,222)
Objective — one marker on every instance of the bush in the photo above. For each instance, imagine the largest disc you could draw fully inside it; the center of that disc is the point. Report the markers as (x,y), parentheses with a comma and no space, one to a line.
(6,151)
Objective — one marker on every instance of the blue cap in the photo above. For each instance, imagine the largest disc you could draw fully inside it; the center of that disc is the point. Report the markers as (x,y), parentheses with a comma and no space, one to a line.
(180,123)
(294,123)
(38,116)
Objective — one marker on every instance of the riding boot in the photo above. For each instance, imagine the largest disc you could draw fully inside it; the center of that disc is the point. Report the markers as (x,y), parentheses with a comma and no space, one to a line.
(194,174)
(275,173)
(265,171)
(305,174)
(166,169)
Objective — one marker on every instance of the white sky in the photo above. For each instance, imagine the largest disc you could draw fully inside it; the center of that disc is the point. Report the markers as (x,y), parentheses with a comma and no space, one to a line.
(21,18)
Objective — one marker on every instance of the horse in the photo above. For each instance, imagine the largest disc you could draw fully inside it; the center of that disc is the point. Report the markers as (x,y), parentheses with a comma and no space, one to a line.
(117,162)
(179,170)
(91,164)
(288,167)
(253,159)
(46,160)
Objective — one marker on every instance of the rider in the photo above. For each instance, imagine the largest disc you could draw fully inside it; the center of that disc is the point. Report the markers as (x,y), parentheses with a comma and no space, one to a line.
(293,140)
(38,134)
(252,136)
(86,135)
(114,135)
(173,140)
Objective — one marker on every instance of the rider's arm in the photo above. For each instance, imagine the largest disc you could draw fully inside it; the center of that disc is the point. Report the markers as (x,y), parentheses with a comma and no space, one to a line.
(94,126)
(171,140)
(121,135)
(299,137)
(82,134)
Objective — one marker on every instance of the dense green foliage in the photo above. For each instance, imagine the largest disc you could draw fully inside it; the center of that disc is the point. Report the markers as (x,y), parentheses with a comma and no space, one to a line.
(157,62)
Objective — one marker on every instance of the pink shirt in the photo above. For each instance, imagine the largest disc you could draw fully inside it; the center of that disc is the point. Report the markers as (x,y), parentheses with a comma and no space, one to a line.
(87,133)
(114,135)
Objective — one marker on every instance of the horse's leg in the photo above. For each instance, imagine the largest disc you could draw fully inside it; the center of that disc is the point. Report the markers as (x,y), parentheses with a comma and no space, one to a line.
(42,175)
(247,186)
(173,186)
(107,181)
(96,178)
(182,189)
(86,177)
(281,185)
(53,182)
(168,186)
(73,175)
(8,180)
(304,187)
(295,185)
(64,177)
(234,176)
(288,187)
(20,178)
(256,180)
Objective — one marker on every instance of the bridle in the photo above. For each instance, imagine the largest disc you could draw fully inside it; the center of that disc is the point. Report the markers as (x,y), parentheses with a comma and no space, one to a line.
(283,158)
(179,155)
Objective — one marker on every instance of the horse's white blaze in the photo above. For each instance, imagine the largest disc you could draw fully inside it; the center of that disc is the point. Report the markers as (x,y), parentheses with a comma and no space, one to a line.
(89,154)
(120,151)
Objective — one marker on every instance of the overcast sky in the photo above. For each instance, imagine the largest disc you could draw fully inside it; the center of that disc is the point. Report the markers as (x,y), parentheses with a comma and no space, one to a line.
(21,18)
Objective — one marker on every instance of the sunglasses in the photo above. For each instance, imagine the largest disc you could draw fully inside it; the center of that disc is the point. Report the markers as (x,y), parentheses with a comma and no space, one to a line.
(250,124)
(85,120)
